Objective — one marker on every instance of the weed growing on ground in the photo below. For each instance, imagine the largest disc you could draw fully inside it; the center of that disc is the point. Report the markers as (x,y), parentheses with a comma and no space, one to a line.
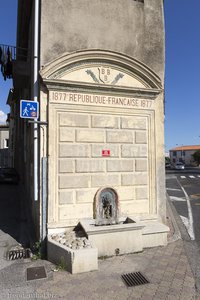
(62,264)
(37,253)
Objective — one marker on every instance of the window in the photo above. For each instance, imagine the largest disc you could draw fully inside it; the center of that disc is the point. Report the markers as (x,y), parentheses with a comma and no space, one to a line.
(6,143)
(174,153)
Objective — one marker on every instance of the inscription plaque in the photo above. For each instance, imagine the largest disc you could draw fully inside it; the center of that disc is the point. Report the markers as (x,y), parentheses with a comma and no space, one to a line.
(100,100)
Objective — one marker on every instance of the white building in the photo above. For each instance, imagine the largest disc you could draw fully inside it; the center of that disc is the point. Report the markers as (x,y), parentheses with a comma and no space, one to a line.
(183,154)
(4,143)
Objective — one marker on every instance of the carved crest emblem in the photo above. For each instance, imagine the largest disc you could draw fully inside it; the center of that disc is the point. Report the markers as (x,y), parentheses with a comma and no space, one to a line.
(105,74)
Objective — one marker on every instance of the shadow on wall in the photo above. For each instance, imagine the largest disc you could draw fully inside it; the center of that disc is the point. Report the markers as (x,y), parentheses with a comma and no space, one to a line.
(4,157)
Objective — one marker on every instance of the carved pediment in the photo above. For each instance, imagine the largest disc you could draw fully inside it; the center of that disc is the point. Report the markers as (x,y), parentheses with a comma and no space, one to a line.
(101,74)
(101,68)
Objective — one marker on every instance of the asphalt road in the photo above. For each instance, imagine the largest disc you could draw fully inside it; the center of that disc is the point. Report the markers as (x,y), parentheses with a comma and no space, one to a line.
(183,188)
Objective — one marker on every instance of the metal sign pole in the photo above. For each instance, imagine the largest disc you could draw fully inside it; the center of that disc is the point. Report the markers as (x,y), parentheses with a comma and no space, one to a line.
(35,97)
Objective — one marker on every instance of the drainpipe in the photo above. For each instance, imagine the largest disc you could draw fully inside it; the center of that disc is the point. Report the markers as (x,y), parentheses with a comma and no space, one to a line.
(35,96)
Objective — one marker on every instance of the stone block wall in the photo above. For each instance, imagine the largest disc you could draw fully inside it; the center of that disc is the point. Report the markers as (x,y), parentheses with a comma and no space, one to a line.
(82,169)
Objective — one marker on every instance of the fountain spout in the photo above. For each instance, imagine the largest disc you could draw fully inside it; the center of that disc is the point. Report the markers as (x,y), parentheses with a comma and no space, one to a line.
(106,207)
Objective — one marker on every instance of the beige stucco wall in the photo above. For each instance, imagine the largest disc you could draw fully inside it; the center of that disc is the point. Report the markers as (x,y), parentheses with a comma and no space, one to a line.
(126,26)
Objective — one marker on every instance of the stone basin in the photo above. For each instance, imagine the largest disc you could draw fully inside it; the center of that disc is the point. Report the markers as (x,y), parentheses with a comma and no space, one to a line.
(124,237)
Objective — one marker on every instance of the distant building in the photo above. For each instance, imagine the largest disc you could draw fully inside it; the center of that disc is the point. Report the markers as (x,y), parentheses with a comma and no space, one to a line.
(183,154)
(4,144)
(166,154)
(13,127)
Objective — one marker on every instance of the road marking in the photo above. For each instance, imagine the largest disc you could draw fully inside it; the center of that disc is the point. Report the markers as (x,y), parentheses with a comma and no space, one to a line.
(185,221)
(169,189)
(173,198)
(190,176)
(190,216)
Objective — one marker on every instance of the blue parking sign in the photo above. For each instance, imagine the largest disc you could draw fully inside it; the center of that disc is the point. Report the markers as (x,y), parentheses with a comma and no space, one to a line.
(29,109)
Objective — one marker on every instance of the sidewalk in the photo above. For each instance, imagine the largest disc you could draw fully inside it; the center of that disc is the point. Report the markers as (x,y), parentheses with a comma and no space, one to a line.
(167,269)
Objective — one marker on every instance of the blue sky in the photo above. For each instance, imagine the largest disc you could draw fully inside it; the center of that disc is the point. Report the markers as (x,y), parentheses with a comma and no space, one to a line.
(182,76)
(182,73)
(7,37)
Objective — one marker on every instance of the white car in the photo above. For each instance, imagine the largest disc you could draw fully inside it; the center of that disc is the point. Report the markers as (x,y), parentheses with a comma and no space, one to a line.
(179,166)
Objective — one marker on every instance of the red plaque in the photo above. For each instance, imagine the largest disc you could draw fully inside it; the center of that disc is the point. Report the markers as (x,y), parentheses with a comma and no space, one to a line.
(105,152)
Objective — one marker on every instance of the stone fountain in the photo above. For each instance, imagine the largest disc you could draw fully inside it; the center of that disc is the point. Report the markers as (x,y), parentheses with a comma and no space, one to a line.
(109,233)
(106,207)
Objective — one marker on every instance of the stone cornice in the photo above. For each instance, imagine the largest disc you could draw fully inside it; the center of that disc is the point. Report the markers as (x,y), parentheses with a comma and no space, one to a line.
(62,85)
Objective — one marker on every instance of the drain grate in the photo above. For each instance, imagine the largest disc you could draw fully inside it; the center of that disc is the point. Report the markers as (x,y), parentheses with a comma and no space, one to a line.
(133,279)
(36,273)
(18,254)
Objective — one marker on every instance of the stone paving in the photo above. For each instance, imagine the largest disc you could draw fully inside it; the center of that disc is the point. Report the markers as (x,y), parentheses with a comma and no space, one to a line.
(168,270)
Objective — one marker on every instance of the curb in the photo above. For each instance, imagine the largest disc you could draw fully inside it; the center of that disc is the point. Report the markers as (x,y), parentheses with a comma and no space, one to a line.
(175,233)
